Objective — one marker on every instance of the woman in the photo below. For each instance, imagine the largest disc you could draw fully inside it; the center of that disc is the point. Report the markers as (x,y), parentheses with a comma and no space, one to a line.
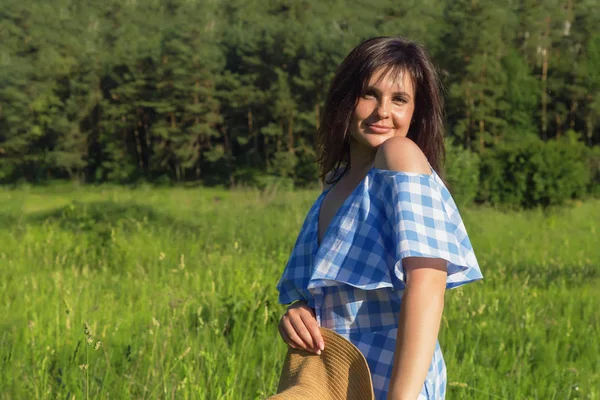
(384,240)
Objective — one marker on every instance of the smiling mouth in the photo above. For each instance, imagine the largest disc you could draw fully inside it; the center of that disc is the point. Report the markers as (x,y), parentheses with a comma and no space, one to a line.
(379,128)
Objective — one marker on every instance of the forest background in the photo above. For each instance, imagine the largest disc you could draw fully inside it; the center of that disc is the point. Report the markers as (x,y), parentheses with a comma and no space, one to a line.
(230,92)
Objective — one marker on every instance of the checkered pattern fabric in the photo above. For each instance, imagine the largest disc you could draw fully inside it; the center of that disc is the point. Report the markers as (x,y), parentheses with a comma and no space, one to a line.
(355,279)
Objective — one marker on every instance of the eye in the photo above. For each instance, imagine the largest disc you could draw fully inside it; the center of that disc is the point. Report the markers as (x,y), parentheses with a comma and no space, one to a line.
(369,94)
(400,99)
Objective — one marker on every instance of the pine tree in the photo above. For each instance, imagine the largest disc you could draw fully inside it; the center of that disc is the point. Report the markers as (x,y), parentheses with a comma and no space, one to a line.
(478,35)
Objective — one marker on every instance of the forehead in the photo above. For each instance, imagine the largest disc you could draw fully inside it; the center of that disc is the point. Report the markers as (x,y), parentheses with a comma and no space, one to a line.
(392,78)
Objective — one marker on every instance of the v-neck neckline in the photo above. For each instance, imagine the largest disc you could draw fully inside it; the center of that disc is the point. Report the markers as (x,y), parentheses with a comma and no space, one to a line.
(338,213)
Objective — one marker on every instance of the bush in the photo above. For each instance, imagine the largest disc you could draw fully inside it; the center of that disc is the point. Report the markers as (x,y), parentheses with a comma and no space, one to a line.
(283,163)
(533,172)
(307,170)
(462,173)
(593,161)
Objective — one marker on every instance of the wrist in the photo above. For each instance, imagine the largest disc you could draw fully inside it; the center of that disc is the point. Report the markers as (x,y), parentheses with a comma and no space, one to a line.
(297,303)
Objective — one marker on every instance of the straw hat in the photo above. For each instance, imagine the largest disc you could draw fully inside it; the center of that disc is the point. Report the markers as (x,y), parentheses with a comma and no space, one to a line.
(339,373)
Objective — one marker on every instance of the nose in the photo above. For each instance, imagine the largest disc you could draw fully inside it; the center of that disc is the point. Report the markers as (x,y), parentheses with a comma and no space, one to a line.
(383,109)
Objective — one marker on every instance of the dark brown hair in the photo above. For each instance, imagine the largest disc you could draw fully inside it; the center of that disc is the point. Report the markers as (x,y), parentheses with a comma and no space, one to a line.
(396,55)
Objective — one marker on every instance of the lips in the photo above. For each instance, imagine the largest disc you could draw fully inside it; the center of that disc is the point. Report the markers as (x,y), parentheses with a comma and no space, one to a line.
(379,128)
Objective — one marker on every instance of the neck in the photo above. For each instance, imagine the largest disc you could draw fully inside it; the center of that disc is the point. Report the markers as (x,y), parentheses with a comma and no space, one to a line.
(361,157)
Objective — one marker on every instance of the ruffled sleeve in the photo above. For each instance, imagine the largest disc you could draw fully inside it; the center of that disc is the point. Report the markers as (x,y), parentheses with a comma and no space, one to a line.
(390,215)
(425,222)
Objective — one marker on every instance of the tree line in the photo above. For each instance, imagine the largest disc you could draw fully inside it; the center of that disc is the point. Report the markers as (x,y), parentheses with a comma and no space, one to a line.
(231,91)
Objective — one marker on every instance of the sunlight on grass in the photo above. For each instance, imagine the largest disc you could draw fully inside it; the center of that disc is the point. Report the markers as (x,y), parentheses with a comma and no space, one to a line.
(170,293)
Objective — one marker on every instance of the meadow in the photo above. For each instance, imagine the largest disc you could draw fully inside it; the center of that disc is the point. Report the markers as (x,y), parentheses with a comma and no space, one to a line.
(142,293)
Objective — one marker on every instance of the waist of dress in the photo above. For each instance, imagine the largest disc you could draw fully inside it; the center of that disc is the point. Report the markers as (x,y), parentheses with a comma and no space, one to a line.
(348,310)
(345,330)
(361,322)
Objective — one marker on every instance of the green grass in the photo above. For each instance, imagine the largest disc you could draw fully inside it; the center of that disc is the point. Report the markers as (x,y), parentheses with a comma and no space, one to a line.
(178,290)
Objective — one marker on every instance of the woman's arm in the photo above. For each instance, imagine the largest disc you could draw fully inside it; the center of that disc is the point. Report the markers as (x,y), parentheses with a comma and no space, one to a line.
(420,316)
(423,298)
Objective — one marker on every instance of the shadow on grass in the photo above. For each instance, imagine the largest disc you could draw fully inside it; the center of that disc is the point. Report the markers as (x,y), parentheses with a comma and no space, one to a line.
(100,217)
(9,220)
(93,226)
(544,275)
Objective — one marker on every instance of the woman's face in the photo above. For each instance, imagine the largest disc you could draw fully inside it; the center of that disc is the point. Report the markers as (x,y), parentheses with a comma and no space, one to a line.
(384,109)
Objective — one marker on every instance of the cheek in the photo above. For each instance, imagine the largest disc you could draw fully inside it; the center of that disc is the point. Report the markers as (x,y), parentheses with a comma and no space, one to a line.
(404,116)
(362,110)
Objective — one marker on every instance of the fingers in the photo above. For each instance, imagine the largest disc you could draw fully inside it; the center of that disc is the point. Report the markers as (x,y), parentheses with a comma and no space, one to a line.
(312,326)
(293,339)
(299,328)
(286,338)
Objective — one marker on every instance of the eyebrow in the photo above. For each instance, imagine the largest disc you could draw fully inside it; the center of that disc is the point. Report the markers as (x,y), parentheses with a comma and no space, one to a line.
(370,87)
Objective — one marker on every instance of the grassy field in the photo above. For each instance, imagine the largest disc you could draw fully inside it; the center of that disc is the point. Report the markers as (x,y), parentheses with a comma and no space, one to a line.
(108,292)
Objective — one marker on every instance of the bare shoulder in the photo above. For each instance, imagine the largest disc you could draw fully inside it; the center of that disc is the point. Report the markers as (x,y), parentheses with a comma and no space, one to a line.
(401,154)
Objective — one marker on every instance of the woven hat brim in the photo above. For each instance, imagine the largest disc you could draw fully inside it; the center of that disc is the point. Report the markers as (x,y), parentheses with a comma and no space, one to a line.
(341,372)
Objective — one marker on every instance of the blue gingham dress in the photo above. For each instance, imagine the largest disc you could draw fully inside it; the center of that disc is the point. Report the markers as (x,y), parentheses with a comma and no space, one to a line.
(354,279)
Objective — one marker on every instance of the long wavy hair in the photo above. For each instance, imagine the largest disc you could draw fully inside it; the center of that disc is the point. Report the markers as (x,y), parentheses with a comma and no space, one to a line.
(395,55)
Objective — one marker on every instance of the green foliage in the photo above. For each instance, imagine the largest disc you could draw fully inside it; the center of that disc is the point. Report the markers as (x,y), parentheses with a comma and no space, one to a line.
(307,172)
(462,173)
(184,303)
(533,172)
(593,160)
(521,97)
(283,163)
(205,90)
(257,179)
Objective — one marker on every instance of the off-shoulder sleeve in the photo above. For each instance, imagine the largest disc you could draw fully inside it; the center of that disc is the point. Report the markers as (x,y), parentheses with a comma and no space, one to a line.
(425,222)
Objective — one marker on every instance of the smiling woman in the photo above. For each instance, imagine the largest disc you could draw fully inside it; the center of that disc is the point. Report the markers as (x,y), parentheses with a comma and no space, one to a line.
(385,239)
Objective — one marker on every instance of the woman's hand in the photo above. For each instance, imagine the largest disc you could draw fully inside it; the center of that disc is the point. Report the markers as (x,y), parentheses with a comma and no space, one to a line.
(298,327)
